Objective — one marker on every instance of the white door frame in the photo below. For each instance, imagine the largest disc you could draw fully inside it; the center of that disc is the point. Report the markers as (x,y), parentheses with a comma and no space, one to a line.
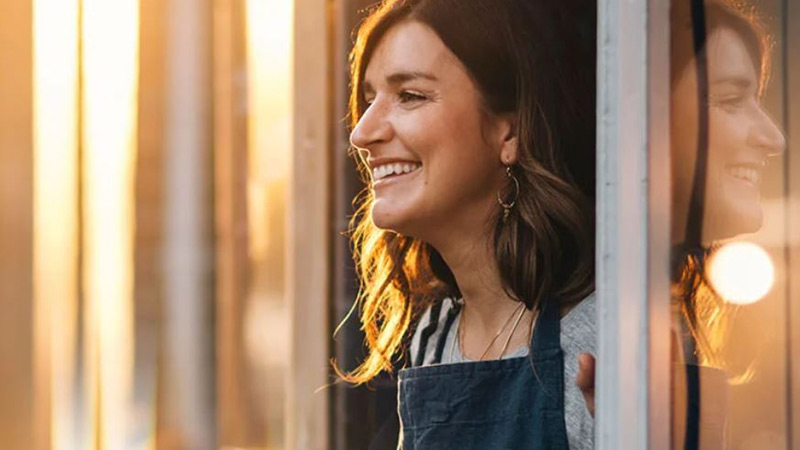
(633,217)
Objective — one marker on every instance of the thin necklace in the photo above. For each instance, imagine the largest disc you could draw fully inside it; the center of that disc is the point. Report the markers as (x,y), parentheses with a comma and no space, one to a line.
(508,339)
(457,340)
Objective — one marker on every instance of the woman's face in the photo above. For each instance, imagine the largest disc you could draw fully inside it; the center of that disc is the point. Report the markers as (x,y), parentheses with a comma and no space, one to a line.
(741,139)
(434,172)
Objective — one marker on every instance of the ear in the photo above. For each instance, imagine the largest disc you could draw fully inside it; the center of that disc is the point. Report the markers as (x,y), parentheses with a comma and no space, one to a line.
(507,139)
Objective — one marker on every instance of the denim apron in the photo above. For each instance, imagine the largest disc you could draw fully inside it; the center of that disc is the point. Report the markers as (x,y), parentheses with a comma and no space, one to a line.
(515,403)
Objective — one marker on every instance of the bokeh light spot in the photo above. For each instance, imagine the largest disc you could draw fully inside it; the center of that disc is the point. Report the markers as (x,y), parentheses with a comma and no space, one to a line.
(741,272)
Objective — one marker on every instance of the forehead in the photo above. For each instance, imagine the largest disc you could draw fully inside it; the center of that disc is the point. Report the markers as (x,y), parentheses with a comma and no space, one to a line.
(411,47)
(728,56)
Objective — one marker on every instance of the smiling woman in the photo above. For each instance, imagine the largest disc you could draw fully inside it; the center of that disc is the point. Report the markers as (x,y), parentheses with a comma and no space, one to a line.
(716,191)
(722,140)
(474,233)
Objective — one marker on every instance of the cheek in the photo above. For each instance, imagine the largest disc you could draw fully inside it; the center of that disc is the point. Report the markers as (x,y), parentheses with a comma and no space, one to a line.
(463,161)
(727,135)
(448,140)
(732,208)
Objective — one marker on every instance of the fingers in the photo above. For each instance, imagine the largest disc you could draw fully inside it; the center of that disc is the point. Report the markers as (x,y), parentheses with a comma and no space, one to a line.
(586,379)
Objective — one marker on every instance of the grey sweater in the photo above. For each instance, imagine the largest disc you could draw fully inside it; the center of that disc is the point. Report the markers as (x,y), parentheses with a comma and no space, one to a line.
(578,335)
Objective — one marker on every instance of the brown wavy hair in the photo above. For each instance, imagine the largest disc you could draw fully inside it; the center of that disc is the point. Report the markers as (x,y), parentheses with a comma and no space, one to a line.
(535,59)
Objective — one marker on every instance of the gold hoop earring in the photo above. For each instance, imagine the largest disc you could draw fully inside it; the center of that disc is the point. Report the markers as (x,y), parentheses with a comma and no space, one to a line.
(508,206)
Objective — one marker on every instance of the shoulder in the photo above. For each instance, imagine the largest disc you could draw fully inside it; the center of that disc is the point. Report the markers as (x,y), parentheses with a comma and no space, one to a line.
(579,326)
(578,335)
(584,310)
(429,328)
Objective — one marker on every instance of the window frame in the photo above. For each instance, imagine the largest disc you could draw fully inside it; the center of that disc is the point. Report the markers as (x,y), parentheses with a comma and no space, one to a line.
(633,217)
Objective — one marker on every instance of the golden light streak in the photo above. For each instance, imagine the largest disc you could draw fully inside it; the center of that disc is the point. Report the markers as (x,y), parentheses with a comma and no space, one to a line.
(269,39)
(55,237)
(741,272)
(110,71)
(269,63)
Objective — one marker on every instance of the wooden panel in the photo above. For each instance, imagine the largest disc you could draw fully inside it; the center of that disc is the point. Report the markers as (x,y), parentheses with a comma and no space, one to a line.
(309,228)
(230,176)
(149,238)
(188,296)
(16,209)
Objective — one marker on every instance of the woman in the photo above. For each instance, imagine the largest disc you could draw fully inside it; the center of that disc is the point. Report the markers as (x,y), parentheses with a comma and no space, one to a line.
(722,139)
(724,116)
(474,129)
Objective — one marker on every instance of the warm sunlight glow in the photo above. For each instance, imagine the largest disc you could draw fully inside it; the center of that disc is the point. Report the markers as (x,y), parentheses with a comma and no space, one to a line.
(269,62)
(269,28)
(741,272)
(55,236)
(110,40)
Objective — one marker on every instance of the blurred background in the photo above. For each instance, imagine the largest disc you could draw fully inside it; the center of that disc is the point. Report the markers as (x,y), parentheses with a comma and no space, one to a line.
(174,188)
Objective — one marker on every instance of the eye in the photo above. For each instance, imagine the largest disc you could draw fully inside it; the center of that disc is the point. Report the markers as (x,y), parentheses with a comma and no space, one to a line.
(409,97)
(734,99)
(732,102)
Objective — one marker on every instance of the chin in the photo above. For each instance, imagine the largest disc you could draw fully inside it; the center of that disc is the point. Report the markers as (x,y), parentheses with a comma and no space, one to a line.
(401,222)
(731,224)
(388,219)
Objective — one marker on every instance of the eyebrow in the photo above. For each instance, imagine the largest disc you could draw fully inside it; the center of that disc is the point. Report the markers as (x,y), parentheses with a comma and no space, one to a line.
(402,77)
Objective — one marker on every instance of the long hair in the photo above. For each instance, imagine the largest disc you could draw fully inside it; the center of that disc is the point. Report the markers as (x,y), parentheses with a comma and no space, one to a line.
(706,315)
(532,58)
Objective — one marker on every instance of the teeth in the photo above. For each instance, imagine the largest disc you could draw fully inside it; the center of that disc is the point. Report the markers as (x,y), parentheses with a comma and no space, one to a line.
(745,173)
(393,169)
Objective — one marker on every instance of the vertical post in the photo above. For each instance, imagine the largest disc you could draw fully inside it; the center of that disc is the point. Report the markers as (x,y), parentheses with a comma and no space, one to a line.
(149,295)
(791,22)
(659,198)
(309,229)
(230,203)
(16,225)
(633,225)
(188,325)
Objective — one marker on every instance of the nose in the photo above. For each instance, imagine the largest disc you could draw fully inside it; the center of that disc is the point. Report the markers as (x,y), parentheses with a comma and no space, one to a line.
(766,134)
(373,127)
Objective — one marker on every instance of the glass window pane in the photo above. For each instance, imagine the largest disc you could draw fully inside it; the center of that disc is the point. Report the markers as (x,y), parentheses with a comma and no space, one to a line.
(732,181)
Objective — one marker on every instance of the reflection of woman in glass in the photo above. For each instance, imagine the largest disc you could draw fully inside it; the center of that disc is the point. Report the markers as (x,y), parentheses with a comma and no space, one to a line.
(474,124)
(721,141)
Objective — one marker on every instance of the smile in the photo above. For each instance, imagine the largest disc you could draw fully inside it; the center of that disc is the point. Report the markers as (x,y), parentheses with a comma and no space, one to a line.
(748,174)
(394,170)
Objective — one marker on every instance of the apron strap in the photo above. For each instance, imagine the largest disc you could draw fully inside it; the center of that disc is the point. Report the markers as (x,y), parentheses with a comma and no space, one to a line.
(547,332)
